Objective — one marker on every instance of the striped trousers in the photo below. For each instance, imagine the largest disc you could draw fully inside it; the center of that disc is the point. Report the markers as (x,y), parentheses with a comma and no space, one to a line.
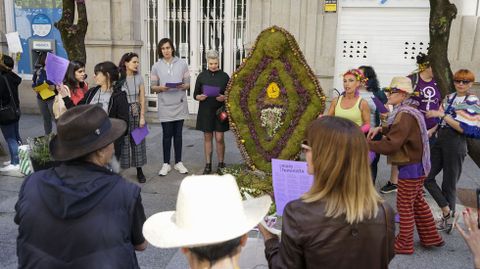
(414,210)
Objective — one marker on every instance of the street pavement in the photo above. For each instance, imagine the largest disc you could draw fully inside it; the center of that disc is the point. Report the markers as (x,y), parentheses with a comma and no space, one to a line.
(159,194)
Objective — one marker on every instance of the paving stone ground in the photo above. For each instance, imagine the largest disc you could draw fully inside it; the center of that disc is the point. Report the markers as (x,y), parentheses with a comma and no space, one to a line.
(159,194)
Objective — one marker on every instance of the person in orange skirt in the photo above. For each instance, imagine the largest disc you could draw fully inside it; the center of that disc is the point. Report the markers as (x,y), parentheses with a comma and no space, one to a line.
(405,142)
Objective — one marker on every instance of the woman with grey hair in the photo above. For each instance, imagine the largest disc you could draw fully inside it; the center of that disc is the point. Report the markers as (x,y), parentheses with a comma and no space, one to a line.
(209,91)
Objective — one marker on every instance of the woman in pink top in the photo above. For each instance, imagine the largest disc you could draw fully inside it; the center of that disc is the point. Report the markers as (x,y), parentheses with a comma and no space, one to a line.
(75,81)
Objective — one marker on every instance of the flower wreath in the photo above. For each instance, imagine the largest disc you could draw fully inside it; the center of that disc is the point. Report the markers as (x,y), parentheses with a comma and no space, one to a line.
(358,74)
(423,66)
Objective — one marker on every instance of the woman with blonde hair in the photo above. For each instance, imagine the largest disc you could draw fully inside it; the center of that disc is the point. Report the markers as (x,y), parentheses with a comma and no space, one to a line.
(207,121)
(332,224)
(350,105)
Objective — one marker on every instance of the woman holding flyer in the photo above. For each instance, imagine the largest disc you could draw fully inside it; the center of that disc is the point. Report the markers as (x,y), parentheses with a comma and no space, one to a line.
(133,154)
(330,225)
(209,90)
(170,78)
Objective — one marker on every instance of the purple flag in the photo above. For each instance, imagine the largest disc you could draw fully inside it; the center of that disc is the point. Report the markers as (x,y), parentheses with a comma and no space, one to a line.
(56,68)
(139,134)
(290,180)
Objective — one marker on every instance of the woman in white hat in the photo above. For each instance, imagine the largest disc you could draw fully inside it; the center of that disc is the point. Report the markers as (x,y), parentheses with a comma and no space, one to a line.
(405,142)
(210,229)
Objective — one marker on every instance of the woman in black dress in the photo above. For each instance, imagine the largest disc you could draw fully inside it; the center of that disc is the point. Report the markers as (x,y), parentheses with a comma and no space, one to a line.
(209,91)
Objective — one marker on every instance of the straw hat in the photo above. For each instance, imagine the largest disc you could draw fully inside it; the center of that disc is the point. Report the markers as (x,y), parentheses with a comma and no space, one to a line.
(402,83)
(209,210)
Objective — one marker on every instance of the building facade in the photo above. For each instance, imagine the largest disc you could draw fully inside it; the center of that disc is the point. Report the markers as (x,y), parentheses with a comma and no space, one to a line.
(333,35)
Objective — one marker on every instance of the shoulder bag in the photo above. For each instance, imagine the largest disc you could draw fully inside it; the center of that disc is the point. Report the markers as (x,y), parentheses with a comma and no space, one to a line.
(10,112)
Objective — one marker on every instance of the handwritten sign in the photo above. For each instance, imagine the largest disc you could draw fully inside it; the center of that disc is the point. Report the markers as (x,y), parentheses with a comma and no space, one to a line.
(290,180)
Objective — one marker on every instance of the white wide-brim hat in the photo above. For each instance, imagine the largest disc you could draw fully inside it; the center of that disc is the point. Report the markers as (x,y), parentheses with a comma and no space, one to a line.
(209,210)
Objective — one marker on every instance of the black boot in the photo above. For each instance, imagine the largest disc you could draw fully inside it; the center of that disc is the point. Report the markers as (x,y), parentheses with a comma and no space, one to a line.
(208,169)
(140,176)
(219,168)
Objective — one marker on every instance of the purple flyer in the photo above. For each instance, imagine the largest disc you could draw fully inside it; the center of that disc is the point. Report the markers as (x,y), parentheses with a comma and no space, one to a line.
(290,180)
(139,134)
(211,91)
(56,67)
(379,105)
(173,84)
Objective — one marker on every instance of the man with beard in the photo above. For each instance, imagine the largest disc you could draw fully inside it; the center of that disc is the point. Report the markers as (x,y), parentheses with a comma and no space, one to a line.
(80,214)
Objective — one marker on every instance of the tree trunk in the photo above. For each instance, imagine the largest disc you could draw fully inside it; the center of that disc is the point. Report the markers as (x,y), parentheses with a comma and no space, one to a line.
(73,35)
(442,12)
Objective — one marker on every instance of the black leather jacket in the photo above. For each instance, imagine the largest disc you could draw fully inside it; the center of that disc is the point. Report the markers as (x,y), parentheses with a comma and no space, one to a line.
(311,240)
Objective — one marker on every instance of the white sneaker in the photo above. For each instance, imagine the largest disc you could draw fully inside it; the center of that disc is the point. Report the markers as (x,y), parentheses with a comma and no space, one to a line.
(180,168)
(165,169)
(10,167)
(6,163)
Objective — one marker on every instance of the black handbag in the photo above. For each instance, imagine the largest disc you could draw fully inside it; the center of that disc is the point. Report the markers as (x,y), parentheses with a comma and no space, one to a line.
(10,112)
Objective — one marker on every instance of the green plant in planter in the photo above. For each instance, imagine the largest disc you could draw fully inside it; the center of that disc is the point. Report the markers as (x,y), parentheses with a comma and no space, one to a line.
(39,150)
(271,99)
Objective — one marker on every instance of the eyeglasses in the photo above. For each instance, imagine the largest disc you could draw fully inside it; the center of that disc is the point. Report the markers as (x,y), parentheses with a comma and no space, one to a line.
(461,81)
(305,147)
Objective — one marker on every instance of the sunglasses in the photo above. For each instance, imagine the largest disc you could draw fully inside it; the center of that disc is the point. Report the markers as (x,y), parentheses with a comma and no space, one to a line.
(392,90)
(305,147)
(461,81)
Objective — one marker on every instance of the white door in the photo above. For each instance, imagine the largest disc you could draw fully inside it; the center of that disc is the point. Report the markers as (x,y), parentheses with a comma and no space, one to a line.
(195,27)
(385,36)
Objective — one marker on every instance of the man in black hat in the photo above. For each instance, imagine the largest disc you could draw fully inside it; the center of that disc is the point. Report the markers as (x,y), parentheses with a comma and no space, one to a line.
(80,214)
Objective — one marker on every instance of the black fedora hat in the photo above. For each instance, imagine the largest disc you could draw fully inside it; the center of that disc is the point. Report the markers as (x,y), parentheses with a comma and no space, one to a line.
(82,130)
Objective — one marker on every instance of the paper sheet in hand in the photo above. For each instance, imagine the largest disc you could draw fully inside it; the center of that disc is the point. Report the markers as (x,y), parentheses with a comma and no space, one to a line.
(44,91)
(139,134)
(379,105)
(56,68)
(290,180)
(211,91)
(173,84)
(13,41)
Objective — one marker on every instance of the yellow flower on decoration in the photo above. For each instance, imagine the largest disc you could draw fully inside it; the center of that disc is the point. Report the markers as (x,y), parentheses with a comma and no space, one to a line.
(243,141)
(273,91)
(272,30)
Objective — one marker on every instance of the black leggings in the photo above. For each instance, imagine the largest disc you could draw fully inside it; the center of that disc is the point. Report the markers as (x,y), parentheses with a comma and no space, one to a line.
(172,129)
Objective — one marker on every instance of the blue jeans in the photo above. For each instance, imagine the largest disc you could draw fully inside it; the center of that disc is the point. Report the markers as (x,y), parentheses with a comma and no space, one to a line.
(172,129)
(46,109)
(9,132)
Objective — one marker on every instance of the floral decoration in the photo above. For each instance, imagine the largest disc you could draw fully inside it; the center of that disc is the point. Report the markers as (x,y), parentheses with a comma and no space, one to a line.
(270,126)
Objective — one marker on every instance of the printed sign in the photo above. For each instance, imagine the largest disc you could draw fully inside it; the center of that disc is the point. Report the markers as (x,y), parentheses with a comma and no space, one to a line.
(290,180)
(330,6)
(41,25)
